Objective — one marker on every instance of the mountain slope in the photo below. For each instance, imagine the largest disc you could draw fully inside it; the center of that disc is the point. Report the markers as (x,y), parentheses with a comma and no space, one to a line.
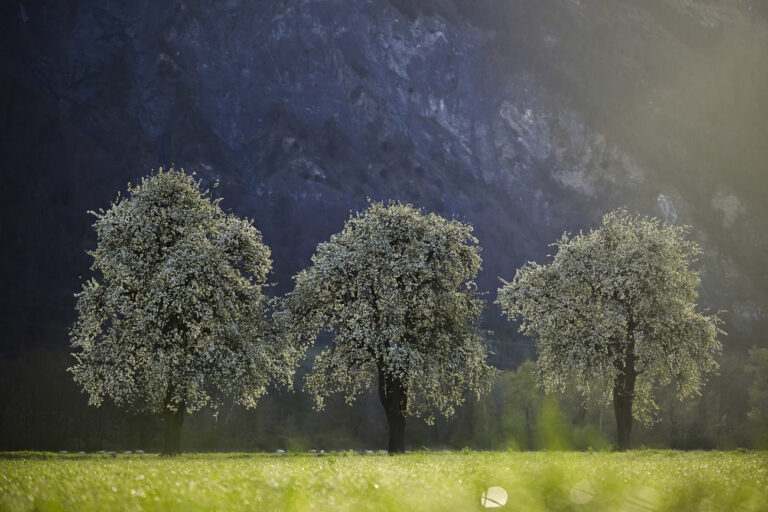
(524,118)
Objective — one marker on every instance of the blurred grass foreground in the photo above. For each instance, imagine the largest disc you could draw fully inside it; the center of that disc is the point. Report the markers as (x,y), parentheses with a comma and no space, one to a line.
(642,480)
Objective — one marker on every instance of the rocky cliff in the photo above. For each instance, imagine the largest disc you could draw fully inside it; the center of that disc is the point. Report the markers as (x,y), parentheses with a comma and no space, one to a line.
(526,118)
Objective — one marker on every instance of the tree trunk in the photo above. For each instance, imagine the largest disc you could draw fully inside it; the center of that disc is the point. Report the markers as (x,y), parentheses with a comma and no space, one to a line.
(394,398)
(623,397)
(622,405)
(173,423)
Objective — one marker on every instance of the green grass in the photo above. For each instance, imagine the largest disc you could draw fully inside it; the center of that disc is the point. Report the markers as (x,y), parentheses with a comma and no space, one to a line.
(424,481)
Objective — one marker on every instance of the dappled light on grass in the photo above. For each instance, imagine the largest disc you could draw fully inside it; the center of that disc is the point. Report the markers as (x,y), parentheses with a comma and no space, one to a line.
(532,481)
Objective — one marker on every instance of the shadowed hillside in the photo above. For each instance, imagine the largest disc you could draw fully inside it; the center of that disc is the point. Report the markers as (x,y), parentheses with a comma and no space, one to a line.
(525,118)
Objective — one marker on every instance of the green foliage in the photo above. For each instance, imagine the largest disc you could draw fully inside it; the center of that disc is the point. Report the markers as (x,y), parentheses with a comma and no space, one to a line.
(429,481)
(552,431)
(175,314)
(620,298)
(532,419)
(758,390)
(522,401)
(757,369)
(396,289)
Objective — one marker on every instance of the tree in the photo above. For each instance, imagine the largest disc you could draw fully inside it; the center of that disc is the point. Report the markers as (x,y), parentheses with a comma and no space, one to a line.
(616,308)
(177,316)
(395,288)
(522,403)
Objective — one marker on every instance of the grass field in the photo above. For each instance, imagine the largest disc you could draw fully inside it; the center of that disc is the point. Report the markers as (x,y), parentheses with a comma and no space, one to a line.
(425,481)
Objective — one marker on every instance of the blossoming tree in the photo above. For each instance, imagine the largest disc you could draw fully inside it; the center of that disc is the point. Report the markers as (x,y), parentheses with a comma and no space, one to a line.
(175,316)
(617,309)
(395,288)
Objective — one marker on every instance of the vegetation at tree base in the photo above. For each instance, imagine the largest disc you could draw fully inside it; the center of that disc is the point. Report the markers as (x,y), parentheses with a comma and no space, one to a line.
(396,289)
(175,317)
(715,420)
(425,481)
(615,312)
(757,369)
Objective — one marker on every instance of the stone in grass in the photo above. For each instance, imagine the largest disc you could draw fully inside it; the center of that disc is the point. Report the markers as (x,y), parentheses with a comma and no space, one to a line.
(127,452)
(101,452)
(369,451)
(312,451)
(279,451)
(139,451)
(81,453)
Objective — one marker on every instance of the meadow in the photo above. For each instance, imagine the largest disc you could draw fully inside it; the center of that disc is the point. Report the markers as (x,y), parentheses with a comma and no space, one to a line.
(641,480)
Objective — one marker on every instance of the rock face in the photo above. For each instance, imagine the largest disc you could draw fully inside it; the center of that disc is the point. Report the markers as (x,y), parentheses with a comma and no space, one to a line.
(525,118)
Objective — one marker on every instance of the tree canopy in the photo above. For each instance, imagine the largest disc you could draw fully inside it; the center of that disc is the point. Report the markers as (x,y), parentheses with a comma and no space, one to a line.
(616,309)
(396,289)
(175,315)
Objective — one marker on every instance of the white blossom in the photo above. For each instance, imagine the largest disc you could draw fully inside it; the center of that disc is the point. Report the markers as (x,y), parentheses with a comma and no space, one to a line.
(620,296)
(175,316)
(395,288)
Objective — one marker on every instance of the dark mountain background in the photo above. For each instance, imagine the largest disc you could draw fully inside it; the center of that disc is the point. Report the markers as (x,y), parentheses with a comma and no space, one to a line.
(524,117)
